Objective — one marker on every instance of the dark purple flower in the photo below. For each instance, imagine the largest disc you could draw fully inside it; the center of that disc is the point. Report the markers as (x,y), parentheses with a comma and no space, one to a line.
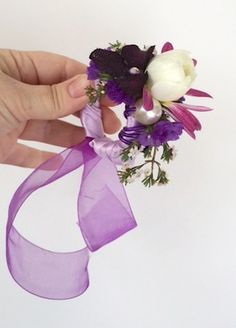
(162,132)
(92,71)
(126,68)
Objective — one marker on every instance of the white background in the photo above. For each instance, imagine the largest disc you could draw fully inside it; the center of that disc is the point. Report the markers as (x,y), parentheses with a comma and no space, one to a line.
(178,268)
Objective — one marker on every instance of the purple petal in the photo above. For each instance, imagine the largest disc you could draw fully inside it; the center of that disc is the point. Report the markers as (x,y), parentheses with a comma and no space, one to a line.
(198,93)
(147,99)
(115,93)
(92,71)
(165,131)
(109,62)
(197,108)
(167,47)
(134,57)
(133,85)
(176,118)
(190,122)
(146,139)
(194,61)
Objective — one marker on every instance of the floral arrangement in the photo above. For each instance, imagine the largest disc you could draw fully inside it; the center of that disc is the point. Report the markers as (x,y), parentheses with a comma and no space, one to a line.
(153,87)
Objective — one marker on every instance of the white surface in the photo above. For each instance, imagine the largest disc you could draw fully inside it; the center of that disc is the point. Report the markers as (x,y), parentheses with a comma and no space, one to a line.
(178,268)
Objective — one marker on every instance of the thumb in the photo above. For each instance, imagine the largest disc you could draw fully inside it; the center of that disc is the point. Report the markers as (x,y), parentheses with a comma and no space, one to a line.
(44,102)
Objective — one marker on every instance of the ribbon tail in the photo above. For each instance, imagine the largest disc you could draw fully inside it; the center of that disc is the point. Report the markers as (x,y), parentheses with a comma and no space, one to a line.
(103,208)
(42,272)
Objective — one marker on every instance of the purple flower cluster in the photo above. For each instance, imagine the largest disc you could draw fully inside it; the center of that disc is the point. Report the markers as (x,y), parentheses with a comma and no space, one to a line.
(115,93)
(92,71)
(162,132)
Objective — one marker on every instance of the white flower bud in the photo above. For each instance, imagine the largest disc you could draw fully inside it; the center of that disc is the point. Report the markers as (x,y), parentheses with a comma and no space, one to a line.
(170,75)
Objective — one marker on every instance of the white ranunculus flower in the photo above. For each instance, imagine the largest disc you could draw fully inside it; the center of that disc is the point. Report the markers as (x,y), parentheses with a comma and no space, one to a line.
(170,75)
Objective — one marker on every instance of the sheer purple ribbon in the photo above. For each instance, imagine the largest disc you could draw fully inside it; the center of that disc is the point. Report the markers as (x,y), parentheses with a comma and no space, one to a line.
(104,214)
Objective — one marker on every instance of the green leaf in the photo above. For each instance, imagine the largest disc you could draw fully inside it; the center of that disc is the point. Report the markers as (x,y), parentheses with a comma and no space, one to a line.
(167,154)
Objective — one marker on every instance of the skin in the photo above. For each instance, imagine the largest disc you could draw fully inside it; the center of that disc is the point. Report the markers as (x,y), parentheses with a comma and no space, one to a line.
(37,89)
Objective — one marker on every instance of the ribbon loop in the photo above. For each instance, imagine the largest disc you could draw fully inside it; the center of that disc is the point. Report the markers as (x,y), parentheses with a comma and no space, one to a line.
(104,214)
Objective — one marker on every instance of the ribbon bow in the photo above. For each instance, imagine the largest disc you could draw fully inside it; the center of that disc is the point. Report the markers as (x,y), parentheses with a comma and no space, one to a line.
(104,214)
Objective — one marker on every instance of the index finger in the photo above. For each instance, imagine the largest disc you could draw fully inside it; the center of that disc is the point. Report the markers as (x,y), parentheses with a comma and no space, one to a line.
(38,67)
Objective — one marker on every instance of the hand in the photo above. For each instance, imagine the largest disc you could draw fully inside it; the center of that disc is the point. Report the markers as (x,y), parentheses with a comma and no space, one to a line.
(37,88)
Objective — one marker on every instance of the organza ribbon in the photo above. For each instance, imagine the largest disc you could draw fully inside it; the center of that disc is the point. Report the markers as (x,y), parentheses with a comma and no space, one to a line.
(104,214)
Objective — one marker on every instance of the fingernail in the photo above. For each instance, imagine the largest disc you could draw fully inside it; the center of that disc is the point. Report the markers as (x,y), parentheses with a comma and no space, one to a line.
(77,87)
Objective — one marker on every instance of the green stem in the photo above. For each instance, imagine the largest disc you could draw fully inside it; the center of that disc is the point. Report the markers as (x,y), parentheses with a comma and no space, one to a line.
(153,161)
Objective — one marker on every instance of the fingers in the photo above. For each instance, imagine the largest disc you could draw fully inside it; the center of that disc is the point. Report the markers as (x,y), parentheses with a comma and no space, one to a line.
(107,102)
(56,132)
(58,100)
(25,156)
(37,67)
(21,102)
(111,123)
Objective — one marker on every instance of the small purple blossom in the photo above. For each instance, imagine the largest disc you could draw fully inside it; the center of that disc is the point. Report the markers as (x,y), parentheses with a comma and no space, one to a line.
(165,131)
(115,93)
(92,71)
(162,132)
